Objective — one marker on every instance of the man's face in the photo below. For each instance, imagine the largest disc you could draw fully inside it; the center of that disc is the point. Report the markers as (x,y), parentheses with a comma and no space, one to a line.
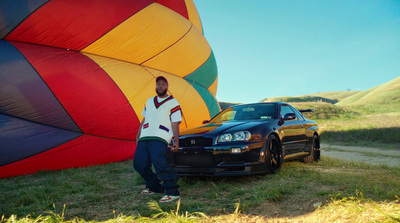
(161,88)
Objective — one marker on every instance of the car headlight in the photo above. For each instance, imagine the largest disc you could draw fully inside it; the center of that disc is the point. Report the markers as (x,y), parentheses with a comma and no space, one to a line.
(233,137)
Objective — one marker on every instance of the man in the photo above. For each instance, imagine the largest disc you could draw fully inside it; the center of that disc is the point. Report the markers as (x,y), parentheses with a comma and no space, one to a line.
(162,116)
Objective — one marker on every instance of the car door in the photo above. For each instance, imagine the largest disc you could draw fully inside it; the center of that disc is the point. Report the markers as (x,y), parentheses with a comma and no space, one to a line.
(292,130)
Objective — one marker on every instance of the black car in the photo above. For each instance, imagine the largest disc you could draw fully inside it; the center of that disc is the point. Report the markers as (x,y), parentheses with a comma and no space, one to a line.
(247,139)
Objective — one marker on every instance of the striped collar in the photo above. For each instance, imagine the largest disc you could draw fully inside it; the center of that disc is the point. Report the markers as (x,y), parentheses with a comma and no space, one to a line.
(161,103)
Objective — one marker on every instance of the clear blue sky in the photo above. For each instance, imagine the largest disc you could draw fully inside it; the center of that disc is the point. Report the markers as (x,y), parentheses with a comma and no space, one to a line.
(269,48)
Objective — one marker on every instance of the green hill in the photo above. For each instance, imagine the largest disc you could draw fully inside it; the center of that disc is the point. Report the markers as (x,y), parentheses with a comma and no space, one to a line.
(330,97)
(301,99)
(225,105)
(323,110)
(334,95)
(384,98)
(383,94)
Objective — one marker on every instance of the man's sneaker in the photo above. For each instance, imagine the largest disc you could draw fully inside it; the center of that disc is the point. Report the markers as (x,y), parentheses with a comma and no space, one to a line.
(148,192)
(168,198)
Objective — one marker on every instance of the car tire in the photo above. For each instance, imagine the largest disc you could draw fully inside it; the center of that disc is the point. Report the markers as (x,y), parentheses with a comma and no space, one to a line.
(315,151)
(273,155)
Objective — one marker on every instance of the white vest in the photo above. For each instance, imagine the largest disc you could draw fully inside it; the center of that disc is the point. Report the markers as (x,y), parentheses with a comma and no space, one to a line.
(157,123)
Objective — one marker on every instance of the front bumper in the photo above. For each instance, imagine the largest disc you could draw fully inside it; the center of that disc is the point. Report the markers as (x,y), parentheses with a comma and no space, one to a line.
(219,161)
(230,170)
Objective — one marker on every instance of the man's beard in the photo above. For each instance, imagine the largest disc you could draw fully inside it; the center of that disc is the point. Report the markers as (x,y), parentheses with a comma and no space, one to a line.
(163,93)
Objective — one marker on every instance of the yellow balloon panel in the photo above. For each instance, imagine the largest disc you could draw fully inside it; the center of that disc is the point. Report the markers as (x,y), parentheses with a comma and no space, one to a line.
(193,15)
(142,36)
(184,57)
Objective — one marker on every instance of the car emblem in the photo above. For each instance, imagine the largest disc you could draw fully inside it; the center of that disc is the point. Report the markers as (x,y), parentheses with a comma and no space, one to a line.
(192,142)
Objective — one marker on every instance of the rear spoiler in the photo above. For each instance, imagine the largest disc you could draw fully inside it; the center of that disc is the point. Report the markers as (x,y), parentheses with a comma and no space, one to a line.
(306,110)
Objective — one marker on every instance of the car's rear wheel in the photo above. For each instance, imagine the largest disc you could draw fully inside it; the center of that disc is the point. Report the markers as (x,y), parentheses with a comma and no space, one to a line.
(273,155)
(315,154)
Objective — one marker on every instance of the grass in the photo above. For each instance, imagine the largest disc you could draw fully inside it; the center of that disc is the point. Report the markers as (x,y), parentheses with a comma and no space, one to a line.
(374,130)
(324,111)
(375,153)
(355,126)
(111,193)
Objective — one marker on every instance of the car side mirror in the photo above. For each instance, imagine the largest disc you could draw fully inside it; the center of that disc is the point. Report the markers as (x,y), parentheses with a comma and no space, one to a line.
(290,116)
(206,121)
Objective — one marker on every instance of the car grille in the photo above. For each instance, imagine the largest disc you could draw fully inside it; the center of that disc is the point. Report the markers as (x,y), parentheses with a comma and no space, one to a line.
(195,142)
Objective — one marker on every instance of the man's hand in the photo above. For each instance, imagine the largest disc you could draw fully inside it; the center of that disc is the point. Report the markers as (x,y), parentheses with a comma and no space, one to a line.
(175,129)
(175,148)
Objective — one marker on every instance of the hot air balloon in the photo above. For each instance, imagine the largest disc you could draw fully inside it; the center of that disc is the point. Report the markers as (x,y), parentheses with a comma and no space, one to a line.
(75,76)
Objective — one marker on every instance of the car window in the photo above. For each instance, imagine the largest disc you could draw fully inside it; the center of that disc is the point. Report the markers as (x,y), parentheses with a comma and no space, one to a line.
(298,114)
(226,115)
(247,112)
(286,110)
(255,112)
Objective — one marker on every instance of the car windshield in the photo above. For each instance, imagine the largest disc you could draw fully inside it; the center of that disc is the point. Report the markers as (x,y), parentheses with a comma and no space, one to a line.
(247,112)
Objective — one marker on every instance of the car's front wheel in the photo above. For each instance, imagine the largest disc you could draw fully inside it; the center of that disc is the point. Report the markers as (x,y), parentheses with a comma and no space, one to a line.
(273,155)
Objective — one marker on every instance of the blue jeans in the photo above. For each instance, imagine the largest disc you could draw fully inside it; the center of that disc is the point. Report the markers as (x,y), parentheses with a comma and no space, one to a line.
(154,152)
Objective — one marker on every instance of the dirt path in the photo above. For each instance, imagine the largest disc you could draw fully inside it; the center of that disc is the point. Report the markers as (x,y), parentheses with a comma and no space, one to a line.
(362,154)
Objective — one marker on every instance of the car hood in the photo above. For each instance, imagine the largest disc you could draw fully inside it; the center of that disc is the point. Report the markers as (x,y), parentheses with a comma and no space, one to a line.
(223,127)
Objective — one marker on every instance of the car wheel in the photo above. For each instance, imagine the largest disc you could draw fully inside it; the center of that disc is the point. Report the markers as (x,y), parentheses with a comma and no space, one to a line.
(315,151)
(273,155)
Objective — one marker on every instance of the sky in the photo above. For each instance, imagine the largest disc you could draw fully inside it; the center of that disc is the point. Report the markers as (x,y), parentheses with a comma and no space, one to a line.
(270,48)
